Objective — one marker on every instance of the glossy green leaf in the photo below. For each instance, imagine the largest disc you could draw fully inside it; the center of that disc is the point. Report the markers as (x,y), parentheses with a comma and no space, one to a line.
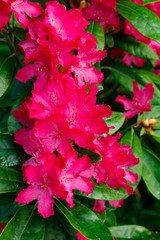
(104,192)
(155,78)
(156,135)
(7,198)
(132,139)
(54,230)
(25,225)
(10,153)
(7,210)
(149,1)
(13,124)
(96,29)
(133,232)
(155,113)
(85,221)
(109,40)
(136,48)
(150,174)
(116,120)
(10,180)
(124,75)
(144,20)
(94,157)
(6,68)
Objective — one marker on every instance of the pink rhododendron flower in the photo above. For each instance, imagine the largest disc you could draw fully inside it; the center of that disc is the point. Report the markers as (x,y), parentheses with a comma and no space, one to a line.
(117,203)
(103,12)
(22,114)
(139,103)
(55,44)
(62,116)
(20,8)
(99,206)
(128,59)
(154,7)
(75,175)
(115,159)
(44,185)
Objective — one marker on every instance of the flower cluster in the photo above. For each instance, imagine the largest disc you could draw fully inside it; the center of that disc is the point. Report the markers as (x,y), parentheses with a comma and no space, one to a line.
(62,114)
(20,8)
(139,103)
(105,13)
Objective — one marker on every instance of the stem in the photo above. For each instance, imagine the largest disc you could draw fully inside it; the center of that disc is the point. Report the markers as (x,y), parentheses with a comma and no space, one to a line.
(11,46)
(110,91)
(3,40)
(106,67)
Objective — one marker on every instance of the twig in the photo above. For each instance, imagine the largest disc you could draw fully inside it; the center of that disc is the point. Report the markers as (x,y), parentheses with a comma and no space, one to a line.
(11,46)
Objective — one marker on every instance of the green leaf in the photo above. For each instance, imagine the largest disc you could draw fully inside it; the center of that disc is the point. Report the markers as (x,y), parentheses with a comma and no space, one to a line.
(19,33)
(155,78)
(133,232)
(10,153)
(96,29)
(85,221)
(94,157)
(13,124)
(10,180)
(116,120)
(25,225)
(144,20)
(55,230)
(109,40)
(7,210)
(132,139)
(6,68)
(104,192)
(149,1)
(150,174)
(155,113)
(124,75)
(136,48)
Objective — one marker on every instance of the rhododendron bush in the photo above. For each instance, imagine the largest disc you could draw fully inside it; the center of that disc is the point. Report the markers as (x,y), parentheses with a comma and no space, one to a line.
(79,126)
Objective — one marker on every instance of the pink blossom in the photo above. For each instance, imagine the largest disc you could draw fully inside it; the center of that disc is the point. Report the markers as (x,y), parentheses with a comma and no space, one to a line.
(154,7)
(55,44)
(99,206)
(115,159)
(139,103)
(20,8)
(75,175)
(103,12)
(22,114)
(44,185)
(128,59)
(117,203)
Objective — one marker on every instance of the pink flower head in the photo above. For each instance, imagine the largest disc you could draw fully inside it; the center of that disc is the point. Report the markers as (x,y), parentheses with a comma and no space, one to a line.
(75,175)
(103,12)
(99,206)
(140,102)
(117,203)
(22,114)
(20,8)
(43,185)
(60,44)
(115,159)
(154,7)
(128,59)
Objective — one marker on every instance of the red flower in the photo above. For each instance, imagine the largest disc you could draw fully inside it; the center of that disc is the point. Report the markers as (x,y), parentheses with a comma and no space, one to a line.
(140,102)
